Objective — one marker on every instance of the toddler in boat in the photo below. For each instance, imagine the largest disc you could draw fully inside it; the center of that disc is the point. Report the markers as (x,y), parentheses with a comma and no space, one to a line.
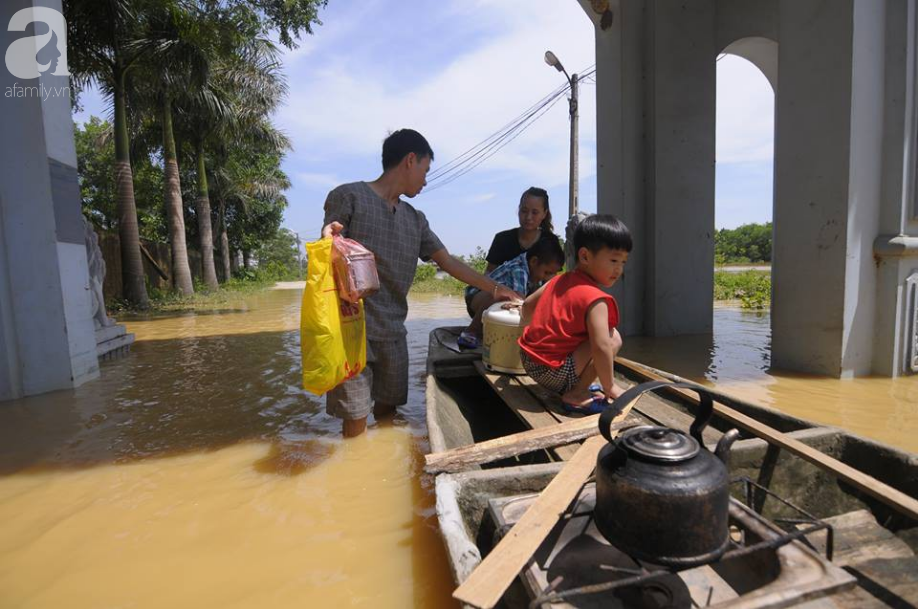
(571,338)
(522,274)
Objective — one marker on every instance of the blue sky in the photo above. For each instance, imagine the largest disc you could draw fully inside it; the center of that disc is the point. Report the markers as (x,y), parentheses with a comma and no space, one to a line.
(457,71)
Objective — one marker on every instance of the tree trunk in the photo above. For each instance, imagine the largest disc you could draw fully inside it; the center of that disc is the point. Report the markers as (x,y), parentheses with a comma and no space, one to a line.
(234,261)
(205,231)
(181,271)
(133,278)
(224,241)
(246,259)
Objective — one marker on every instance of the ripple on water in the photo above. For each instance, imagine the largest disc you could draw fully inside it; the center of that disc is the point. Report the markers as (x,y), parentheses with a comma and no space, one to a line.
(196,471)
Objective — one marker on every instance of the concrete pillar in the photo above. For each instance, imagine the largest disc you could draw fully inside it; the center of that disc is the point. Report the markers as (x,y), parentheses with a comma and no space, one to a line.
(895,347)
(620,143)
(828,155)
(47,338)
(655,130)
(681,116)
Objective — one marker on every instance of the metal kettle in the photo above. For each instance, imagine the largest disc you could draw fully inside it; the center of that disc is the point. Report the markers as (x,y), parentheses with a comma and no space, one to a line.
(661,496)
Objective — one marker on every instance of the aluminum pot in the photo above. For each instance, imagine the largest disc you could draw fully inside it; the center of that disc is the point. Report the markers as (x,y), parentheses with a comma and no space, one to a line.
(661,496)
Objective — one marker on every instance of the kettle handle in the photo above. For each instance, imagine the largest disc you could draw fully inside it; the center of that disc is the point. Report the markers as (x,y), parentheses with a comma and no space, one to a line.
(702,415)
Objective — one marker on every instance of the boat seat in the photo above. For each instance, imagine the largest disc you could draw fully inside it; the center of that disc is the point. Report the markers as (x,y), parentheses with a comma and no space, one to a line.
(537,407)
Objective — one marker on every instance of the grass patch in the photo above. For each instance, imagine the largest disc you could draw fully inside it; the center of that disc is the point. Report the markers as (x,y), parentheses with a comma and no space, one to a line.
(233,291)
(432,285)
(751,288)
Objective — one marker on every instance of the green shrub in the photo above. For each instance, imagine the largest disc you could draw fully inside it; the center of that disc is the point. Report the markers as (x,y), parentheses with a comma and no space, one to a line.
(424,272)
(751,288)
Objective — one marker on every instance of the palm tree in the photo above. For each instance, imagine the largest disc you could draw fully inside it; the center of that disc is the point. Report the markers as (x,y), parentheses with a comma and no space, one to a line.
(249,177)
(100,32)
(178,45)
(244,86)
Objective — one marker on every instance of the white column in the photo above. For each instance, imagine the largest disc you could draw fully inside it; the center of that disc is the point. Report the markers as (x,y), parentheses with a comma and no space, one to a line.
(46,329)
(679,130)
(895,346)
(620,145)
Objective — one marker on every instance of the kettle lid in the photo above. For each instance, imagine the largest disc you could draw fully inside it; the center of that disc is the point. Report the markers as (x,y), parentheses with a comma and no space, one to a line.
(660,444)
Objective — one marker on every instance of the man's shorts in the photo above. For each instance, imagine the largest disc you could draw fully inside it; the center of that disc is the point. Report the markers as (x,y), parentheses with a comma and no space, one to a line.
(384,380)
(560,380)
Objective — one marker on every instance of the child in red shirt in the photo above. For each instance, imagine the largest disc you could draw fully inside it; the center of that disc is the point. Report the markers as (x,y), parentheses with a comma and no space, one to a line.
(571,338)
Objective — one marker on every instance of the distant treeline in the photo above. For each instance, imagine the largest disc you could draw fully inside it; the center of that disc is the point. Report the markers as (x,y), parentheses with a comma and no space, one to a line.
(749,243)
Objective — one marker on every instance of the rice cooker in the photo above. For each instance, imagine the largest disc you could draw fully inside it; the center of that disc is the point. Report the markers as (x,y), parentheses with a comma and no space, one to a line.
(502,328)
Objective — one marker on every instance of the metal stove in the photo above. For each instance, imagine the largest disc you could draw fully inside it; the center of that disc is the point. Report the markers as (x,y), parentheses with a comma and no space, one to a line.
(769,564)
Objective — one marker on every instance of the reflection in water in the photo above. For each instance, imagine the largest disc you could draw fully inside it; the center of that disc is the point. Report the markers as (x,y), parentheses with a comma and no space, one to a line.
(196,472)
(737,360)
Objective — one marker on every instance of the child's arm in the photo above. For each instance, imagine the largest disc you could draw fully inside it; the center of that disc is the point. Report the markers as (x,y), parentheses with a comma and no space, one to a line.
(529,306)
(603,347)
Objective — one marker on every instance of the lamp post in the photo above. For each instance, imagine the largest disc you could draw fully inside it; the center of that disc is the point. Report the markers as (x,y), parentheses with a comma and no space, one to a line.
(552,60)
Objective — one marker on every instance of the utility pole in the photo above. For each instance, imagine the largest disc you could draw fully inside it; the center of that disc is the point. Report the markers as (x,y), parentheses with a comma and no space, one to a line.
(575,150)
(573,206)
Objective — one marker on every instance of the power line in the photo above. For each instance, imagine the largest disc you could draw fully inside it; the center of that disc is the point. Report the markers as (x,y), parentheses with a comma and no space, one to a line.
(477,154)
(494,151)
(500,132)
(495,140)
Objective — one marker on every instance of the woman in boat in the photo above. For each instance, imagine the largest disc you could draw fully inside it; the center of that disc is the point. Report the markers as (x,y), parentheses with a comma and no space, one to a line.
(535,223)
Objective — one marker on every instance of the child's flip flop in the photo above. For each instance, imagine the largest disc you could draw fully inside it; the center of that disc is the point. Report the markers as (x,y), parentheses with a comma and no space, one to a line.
(467,340)
(596,406)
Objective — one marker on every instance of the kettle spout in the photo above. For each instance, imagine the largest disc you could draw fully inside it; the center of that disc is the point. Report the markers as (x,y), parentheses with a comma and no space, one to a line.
(722,451)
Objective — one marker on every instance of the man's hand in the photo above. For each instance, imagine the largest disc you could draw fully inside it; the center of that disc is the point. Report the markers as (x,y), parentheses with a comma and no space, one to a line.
(504,293)
(332,229)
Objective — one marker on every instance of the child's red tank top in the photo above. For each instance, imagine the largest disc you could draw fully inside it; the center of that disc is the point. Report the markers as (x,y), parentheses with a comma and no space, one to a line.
(559,321)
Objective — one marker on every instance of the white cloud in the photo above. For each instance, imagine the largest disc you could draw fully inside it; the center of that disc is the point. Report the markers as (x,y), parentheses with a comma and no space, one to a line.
(745,112)
(348,109)
(323,180)
(482,197)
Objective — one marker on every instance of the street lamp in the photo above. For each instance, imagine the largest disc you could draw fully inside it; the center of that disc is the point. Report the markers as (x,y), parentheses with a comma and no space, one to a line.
(552,60)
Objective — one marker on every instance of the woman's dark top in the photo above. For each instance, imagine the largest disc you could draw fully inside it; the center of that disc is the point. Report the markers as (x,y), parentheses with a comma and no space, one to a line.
(506,245)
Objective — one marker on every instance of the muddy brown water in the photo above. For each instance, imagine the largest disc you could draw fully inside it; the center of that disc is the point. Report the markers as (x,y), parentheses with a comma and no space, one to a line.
(196,472)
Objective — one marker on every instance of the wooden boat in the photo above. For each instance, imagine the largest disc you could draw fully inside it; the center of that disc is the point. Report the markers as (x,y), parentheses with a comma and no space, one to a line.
(871,560)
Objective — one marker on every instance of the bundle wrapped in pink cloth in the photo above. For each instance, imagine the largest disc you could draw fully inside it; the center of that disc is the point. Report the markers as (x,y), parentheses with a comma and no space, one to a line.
(355,269)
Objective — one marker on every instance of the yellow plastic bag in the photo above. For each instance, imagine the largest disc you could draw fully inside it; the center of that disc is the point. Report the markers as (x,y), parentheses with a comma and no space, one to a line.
(332,331)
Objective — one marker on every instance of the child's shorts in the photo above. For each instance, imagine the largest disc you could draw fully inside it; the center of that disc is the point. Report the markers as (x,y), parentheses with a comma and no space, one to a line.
(560,380)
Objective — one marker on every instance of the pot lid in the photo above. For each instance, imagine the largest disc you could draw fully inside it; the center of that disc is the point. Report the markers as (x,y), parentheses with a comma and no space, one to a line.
(497,314)
(660,444)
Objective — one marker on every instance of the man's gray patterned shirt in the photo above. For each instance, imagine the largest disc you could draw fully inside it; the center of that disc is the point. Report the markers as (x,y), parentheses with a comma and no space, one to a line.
(397,238)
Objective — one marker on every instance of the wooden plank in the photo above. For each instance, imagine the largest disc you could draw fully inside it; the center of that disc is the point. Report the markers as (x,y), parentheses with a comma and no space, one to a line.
(859,539)
(530,410)
(876,556)
(883,492)
(464,457)
(550,401)
(152,261)
(488,582)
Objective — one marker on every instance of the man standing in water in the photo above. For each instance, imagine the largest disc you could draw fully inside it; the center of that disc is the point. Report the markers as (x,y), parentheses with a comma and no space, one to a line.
(373,214)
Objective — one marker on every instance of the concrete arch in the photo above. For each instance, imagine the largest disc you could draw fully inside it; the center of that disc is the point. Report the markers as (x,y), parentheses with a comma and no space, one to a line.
(760,52)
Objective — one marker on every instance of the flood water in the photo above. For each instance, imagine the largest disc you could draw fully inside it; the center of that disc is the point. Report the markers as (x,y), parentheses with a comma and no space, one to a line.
(196,473)
(737,360)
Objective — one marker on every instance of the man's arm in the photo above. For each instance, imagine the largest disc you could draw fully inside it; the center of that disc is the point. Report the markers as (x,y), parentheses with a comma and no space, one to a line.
(466,274)
(338,211)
